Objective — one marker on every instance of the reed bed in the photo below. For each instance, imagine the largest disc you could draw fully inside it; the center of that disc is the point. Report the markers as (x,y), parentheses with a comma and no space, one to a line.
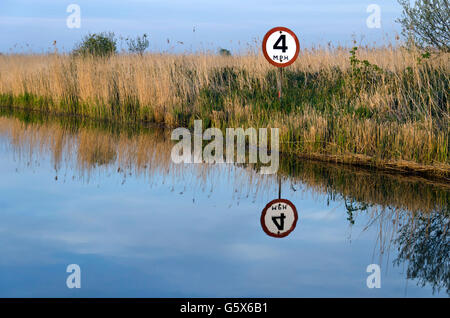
(388,107)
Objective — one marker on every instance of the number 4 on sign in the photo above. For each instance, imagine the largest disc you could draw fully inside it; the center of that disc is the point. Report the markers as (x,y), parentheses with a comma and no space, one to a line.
(283,46)
(279,218)
(279,221)
(280,46)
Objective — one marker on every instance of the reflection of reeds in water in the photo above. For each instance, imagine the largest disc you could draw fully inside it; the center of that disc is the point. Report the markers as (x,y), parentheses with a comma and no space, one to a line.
(93,146)
(409,213)
(426,248)
(147,152)
(406,211)
(96,151)
(396,206)
(370,187)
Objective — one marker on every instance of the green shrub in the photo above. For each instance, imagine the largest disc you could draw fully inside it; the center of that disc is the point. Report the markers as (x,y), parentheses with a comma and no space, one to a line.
(138,45)
(97,44)
(224,52)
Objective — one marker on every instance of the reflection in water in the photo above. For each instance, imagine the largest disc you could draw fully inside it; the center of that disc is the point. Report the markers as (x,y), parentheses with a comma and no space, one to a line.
(352,207)
(425,245)
(410,212)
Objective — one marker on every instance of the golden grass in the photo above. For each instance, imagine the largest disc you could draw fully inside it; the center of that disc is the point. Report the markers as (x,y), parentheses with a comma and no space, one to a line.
(397,120)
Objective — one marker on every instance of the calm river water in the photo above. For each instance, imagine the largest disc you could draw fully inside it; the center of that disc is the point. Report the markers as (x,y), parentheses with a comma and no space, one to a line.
(110,200)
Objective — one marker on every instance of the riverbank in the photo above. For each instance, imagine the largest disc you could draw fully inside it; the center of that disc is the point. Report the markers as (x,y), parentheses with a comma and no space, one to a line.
(385,108)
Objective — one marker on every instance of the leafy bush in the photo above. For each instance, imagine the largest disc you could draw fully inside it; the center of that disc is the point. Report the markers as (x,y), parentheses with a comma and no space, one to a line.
(364,74)
(224,52)
(97,44)
(138,45)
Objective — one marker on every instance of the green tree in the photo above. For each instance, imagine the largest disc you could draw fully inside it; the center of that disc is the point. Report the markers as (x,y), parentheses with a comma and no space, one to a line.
(138,45)
(224,52)
(426,23)
(97,44)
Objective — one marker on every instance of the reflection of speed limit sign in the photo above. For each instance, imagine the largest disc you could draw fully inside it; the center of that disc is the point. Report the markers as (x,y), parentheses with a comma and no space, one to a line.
(280,46)
(279,218)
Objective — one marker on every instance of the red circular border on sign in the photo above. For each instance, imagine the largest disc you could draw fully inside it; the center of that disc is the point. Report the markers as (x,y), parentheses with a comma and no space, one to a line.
(269,33)
(263,215)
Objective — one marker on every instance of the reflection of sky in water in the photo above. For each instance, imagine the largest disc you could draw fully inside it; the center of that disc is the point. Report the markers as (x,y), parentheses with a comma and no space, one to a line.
(143,239)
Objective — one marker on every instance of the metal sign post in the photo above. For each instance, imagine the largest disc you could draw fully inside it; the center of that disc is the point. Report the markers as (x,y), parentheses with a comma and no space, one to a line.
(280,48)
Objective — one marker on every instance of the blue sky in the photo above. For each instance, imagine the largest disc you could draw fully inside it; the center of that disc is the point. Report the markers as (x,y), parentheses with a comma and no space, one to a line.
(34,25)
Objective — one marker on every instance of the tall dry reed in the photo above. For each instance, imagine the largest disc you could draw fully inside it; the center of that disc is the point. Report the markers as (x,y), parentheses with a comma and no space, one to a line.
(331,109)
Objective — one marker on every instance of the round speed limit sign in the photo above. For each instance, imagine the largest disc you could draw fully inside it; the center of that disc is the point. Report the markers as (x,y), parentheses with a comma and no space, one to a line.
(279,218)
(280,46)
